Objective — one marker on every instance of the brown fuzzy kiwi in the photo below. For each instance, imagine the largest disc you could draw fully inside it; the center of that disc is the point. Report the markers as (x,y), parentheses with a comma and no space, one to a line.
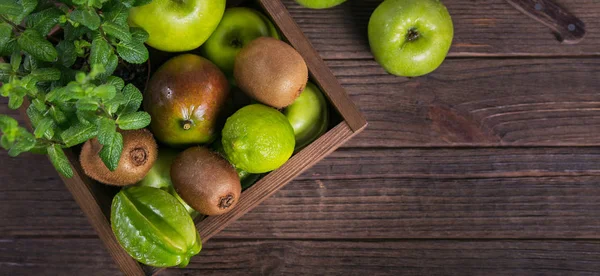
(271,72)
(138,156)
(206,181)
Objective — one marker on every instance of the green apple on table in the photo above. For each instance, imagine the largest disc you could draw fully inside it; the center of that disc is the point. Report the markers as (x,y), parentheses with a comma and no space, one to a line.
(178,25)
(238,27)
(410,37)
(320,4)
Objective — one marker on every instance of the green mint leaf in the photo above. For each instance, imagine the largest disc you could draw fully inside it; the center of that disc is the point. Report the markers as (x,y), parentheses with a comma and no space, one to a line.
(135,120)
(35,116)
(111,152)
(15,61)
(10,8)
(120,32)
(45,127)
(141,2)
(6,72)
(28,7)
(10,47)
(15,101)
(139,35)
(44,21)
(133,52)
(117,82)
(8,124)
(73,33)
(67,53)
(132,99)
(104,92)
(106,130)
(86,116)
(111,65)
(5,35)
(86,17)
(58,94)
(58,116)
(46,74)
(100,51)
(37,46)
(39,148)
(87,104)
(39,105)
(60,160)
(112,106)
(116,13)
(23,143)
(78,134)
(30,63)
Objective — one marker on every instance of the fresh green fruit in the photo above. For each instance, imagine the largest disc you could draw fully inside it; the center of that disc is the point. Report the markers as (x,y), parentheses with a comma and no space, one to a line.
(206,181)
(178,25)
(137,157)
(320,4)
(246,178)
(238,27)
(308,115)
(186,98)
(410,37)
(153,227)
(258,139)
(159,176)
(271,72)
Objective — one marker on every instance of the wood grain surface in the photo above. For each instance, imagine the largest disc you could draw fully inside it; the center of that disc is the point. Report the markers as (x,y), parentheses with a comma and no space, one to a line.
(488,166)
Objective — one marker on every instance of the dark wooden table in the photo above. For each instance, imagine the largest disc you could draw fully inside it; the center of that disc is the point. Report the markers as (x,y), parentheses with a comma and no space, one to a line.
(490,165)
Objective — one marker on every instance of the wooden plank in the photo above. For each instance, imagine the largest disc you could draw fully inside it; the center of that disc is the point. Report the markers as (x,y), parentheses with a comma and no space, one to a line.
(56,256)
(487,28)
(313,257)
(482,102)
(458,163)
(374,193)
(427,208)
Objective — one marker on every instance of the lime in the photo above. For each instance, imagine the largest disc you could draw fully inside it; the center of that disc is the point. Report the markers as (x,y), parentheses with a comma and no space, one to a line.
(258,139)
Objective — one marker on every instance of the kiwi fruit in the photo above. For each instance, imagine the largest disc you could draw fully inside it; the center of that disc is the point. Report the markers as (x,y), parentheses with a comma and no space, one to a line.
(138,156)
(271,72)
(206,181)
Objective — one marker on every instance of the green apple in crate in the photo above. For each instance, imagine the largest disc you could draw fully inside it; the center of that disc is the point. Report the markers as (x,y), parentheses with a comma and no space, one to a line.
(178,25)
(238,27)
(320,4)
(410,37)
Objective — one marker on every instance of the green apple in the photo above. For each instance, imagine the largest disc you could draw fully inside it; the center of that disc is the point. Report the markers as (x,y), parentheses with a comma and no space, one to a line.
(410,37)
(238,27)
(320,4)
(178,25)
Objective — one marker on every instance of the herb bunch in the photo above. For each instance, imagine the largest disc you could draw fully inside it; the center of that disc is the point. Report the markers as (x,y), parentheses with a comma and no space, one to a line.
(69,80)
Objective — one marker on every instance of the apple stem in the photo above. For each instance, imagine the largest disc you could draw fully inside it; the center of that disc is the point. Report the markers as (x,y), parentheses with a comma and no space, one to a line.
(237,43)
(412,35)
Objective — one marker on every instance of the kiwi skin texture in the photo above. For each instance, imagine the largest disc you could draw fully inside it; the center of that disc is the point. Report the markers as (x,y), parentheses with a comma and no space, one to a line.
(271,72)
(138,156)
(206,181)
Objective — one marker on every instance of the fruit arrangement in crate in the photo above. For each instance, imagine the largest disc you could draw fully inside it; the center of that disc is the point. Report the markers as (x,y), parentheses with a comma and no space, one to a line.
(236,104)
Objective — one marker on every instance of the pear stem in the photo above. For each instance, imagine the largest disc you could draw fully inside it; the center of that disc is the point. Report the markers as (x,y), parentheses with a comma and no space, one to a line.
(187,124)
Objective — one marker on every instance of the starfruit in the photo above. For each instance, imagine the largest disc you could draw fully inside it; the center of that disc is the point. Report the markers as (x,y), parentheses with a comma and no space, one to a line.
(153,227)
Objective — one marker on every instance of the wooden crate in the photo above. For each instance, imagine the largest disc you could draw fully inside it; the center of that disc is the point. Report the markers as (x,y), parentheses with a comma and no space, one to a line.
(95,198)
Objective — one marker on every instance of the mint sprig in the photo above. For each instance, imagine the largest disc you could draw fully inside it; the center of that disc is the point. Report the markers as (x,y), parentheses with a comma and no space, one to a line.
(68,80)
